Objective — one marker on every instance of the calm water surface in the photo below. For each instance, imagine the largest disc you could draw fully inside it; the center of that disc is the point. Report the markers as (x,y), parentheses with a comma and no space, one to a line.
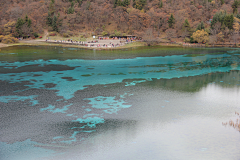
(142,103)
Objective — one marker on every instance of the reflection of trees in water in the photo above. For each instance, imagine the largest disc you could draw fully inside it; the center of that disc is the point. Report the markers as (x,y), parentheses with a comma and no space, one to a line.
(195,64)
(232,61)
(193,84)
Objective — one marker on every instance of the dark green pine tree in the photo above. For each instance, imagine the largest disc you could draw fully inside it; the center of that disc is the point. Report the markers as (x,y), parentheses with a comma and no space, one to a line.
(228,21)
(71,8)
(29,22)
(143,3)
(54,23)
(19,25)
(26,18)
(72,4)
(126,3)
(49,19)
(238,16)
(235,6)
(79,3)
(119,3)
(200,26)
(115,3)
(186,29)
(222,2)
(218,17)
(186,25)
(171,21)
(160,4)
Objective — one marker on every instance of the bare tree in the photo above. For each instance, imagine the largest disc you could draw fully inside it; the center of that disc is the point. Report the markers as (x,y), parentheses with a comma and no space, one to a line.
(235,37)
(149,37)
(213,38)
(27,31)
(171,33)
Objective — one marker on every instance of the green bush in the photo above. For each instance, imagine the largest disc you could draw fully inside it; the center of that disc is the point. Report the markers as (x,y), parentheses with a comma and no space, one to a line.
(104,33)
(35,35)
(116,33)
(71,9)
(186,40)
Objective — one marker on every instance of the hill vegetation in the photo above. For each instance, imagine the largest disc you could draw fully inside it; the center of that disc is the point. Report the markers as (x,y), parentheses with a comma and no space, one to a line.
(203,21)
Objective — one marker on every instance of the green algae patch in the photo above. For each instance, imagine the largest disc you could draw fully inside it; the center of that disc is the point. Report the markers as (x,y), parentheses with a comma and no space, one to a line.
(114,74)
(86,75)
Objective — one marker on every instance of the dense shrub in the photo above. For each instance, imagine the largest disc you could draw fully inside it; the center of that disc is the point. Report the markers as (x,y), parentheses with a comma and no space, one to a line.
(8,39)
(186,40)
(116,33)
(225,19)
(104,33)
(35,35)
(1,38)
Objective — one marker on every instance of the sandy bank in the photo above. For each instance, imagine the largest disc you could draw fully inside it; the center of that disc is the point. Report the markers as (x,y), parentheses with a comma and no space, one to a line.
(3,45)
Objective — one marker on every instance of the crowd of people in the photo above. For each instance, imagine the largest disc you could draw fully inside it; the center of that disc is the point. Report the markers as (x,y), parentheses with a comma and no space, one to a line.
(133,38)
(108,42)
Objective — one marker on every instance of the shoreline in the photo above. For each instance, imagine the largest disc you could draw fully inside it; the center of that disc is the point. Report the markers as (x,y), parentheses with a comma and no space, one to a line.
(52,43)
(44,43)
(125,46)
(2,45)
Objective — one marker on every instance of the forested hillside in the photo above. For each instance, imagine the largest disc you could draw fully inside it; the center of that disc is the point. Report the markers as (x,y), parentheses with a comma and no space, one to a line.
(157,18)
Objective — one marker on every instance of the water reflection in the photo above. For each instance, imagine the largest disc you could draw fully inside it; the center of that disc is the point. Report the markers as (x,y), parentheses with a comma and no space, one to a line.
(185,139)
(189,126)
(195,83)
(146,107)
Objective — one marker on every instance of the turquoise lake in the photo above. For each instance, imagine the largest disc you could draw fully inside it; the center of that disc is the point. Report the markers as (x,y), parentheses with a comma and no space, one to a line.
(142,103)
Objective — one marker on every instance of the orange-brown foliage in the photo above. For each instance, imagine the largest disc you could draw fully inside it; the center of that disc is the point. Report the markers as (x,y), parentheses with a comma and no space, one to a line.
(101,15)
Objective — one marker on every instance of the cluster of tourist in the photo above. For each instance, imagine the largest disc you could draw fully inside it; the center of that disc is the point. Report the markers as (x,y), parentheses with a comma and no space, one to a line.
(66,41)
(98,43)
(120,38)
(104,45)
(103,38)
